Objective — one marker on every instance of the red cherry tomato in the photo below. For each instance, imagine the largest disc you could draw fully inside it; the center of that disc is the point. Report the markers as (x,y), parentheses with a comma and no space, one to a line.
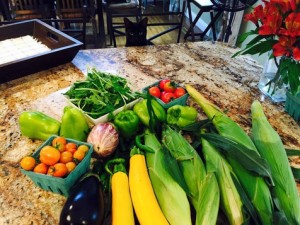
(179,92)
(155,91)
(169,87)
(162,83)
(167,97)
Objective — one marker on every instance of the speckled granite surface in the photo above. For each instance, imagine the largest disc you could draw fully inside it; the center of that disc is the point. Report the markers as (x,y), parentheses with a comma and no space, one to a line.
(229,83)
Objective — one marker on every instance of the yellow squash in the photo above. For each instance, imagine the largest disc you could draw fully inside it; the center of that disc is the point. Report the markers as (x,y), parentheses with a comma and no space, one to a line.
(122,209)
(143,198)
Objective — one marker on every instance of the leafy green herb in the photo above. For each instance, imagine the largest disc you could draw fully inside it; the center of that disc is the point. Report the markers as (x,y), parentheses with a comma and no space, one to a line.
(100,93)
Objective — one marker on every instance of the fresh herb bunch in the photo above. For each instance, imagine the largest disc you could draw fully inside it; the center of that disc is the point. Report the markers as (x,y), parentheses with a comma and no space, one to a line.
(100,93)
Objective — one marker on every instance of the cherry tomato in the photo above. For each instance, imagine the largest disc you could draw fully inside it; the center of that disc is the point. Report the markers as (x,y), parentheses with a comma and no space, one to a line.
(59,143)
(162,83)
(70,166)
(58,170)
(169,87)
(83,148)
(71,147)
(49,155)
(41,168)
(78,155)
(154,91)
(28,163)
(167,97)
(179,92)
(65,157)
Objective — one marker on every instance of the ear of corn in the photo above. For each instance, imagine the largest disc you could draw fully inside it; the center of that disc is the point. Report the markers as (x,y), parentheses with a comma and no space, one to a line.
(231,202)
(170,195)
(190,163)
(208,202)
(255,187)
(270,147)
(203,188)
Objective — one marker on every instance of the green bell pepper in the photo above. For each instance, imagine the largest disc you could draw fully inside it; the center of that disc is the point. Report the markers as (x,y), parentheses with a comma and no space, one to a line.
(74,124)
(127,123)
(142,111)
(37,125)
(181,115)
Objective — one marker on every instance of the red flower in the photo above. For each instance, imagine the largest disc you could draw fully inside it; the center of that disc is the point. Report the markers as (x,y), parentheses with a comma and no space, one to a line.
(271,24)
(284,46)
(279,22)
(255,16)
(283,5)
(294,4)
(296,53)
(292,24)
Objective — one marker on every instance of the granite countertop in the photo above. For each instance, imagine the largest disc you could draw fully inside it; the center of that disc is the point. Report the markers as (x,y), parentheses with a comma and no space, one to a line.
(229,83)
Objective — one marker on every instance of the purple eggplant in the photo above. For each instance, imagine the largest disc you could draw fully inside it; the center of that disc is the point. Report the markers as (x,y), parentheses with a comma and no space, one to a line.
(85,204)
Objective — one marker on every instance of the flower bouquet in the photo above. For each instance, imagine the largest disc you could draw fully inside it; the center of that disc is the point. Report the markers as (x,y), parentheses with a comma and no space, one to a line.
(278,32)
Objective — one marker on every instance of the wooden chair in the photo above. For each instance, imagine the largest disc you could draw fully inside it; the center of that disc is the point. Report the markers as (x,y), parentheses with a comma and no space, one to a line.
(119,9)
(31,9)
(74,15)
(173,18)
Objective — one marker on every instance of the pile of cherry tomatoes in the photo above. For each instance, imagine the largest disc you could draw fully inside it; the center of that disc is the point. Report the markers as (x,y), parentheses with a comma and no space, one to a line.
(166,90)
(58,159)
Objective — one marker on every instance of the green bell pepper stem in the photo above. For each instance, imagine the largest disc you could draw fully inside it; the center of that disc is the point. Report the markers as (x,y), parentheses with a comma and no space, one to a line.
(74,124)
(181,115)
(142,111)
(37,125)
(127,123)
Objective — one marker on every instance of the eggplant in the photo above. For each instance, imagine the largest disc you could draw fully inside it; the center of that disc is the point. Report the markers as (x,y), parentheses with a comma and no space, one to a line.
(85,203)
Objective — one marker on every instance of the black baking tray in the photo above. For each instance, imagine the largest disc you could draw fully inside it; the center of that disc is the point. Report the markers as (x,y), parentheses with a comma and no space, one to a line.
(63,48)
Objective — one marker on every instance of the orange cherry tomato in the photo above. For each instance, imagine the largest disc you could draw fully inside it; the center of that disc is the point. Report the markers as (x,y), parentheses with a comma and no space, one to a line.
(70,166)
(49,155)
(28,163)
(83,148)
(58,170)
(59,143)
(66,157)
(41,168)
(71,147)
(78,156)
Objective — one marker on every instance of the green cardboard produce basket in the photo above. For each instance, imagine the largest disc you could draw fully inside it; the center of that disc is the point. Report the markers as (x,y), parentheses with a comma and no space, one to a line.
(56,184)
(178,101)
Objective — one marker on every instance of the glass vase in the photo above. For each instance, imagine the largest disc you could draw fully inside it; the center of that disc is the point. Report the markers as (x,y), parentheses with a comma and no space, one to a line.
(269,71)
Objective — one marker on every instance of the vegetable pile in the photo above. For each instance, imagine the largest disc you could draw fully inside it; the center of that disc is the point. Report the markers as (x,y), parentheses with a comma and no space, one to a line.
(153,165)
